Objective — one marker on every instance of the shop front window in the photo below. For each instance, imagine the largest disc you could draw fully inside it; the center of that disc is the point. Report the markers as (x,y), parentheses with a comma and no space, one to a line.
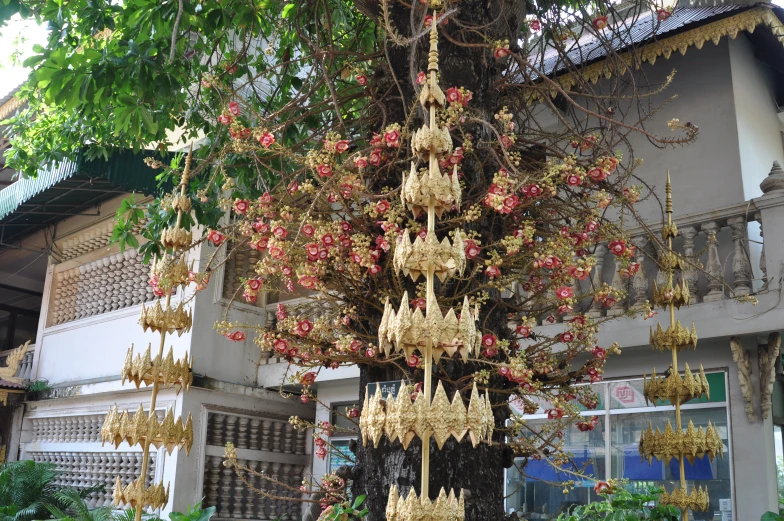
(611,451)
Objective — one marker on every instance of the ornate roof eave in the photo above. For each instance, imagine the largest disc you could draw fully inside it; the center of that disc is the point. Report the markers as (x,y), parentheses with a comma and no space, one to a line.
(746,21)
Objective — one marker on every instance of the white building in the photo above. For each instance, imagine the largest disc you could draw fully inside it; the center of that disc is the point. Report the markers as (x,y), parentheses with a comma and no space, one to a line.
(729,83)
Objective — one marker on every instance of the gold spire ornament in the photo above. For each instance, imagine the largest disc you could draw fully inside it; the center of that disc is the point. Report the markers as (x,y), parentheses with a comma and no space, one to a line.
(143,427)
(431,332)
(675,442)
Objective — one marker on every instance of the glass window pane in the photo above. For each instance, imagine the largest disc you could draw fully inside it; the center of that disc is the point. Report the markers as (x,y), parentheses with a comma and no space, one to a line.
(534,489)
(625,430)
(5,323)
(343,425)
(25,329)
(628,394)
(777,442)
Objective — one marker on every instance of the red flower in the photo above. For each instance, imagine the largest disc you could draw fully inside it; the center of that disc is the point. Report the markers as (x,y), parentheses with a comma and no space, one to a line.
(308,230)
(421,78)
(361,162)
(370,352)
(392,138)
(574,180)
(376,157)
(341,146)
(471,249)
(523,331)
(375,269)
(304,327)
(489,340)
(453,95)
(599,352)
(225,119)
(602,487)
(324,170)
(506,141)
(266,139)
(255,284)
(554,414)
(532,190)
(618,248)
(382,206)
(501,52)
(281,313)
(241,206)
(493,271)
(412,361)
(237,336)
(535,25)
(662,14)
(597,174)
(599,23)
(216,237)
(591,226)
(321,453)
(355,345)
(353,412)
(567,336)
(361,79)
(419,303)
(564,292)
(281,346)
(280,232)
(234,108)
(308,378)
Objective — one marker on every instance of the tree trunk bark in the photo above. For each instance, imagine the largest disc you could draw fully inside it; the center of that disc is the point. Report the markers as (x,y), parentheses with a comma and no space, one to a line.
(479,472)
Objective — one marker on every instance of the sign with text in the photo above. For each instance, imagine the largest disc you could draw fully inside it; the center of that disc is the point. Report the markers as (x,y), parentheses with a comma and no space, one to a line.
(386,388)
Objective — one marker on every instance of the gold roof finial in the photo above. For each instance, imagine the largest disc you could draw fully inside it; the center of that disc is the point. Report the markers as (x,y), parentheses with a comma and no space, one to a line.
(432,63)
(668,189)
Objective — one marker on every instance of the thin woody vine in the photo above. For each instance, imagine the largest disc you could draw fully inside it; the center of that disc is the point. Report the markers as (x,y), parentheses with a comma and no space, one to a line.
(322,204)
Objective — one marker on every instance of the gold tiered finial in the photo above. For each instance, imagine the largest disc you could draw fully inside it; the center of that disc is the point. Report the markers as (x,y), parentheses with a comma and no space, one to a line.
(145,428)
(432,333)
(692,443)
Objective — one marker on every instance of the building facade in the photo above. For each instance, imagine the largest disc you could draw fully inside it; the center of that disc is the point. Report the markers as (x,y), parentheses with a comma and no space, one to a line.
(729,205)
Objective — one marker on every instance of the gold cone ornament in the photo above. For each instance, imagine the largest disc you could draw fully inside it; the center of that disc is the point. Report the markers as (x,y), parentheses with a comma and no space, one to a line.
(432,332)
(403,419)
(675,442)
(143,427)
(168,371)
(411,507)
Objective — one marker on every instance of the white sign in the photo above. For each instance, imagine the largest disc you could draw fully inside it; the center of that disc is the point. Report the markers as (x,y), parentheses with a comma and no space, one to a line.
(725,505)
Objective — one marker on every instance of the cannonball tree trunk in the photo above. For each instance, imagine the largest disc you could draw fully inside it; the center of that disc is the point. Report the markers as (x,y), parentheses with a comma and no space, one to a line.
(478,471)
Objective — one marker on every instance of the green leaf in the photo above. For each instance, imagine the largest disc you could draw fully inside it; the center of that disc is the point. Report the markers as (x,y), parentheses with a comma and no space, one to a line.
(287,10)
(771,516)
(358,501)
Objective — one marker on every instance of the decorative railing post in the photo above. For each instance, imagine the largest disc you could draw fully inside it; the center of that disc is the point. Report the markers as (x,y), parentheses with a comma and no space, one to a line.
(691,263)
(713,267)
(762,263)
(640,280)
(741,265)
(596,279)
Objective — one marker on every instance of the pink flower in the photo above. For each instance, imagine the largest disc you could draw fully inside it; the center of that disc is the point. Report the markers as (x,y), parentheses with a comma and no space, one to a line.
(591,226)
(662,14)
(237,336)
(225,119)
(361,79)
(567,336)
(216,237)
(523,331)
(370,352)
(304,327)
(453,95)
(412,361)
(564,292)
(421,78)
(597,174)
(355,345)
(281,346)
(471,249)
(308,378)
(321,453)
(254,284)
(324,170)
(535,25)
(341,146)
(493,271)
(305,399)
(419,303)
(599,352)
(574,180)
(501,52)
(361,162)
(376,157)
(554,414)
(382,206)
(328,240)
(266,139)
(599,23)
(353,412)
(308,230)
(489,340)
(392,138)
(602,487)
(280,232)
(375,269)
(618,248)
(234,108)
(281,313)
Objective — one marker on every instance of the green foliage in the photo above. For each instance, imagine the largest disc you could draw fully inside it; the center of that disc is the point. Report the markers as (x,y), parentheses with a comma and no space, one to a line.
(28,491)
(194,513)
(71,506)
(343,512)
(37,385)
(624,505)
(772,516)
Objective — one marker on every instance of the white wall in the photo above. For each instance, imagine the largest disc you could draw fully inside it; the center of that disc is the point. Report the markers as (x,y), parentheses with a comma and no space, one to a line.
(758,126)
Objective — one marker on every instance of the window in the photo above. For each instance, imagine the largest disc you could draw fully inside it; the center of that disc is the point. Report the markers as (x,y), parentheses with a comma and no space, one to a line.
(611,451)
(345,430)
